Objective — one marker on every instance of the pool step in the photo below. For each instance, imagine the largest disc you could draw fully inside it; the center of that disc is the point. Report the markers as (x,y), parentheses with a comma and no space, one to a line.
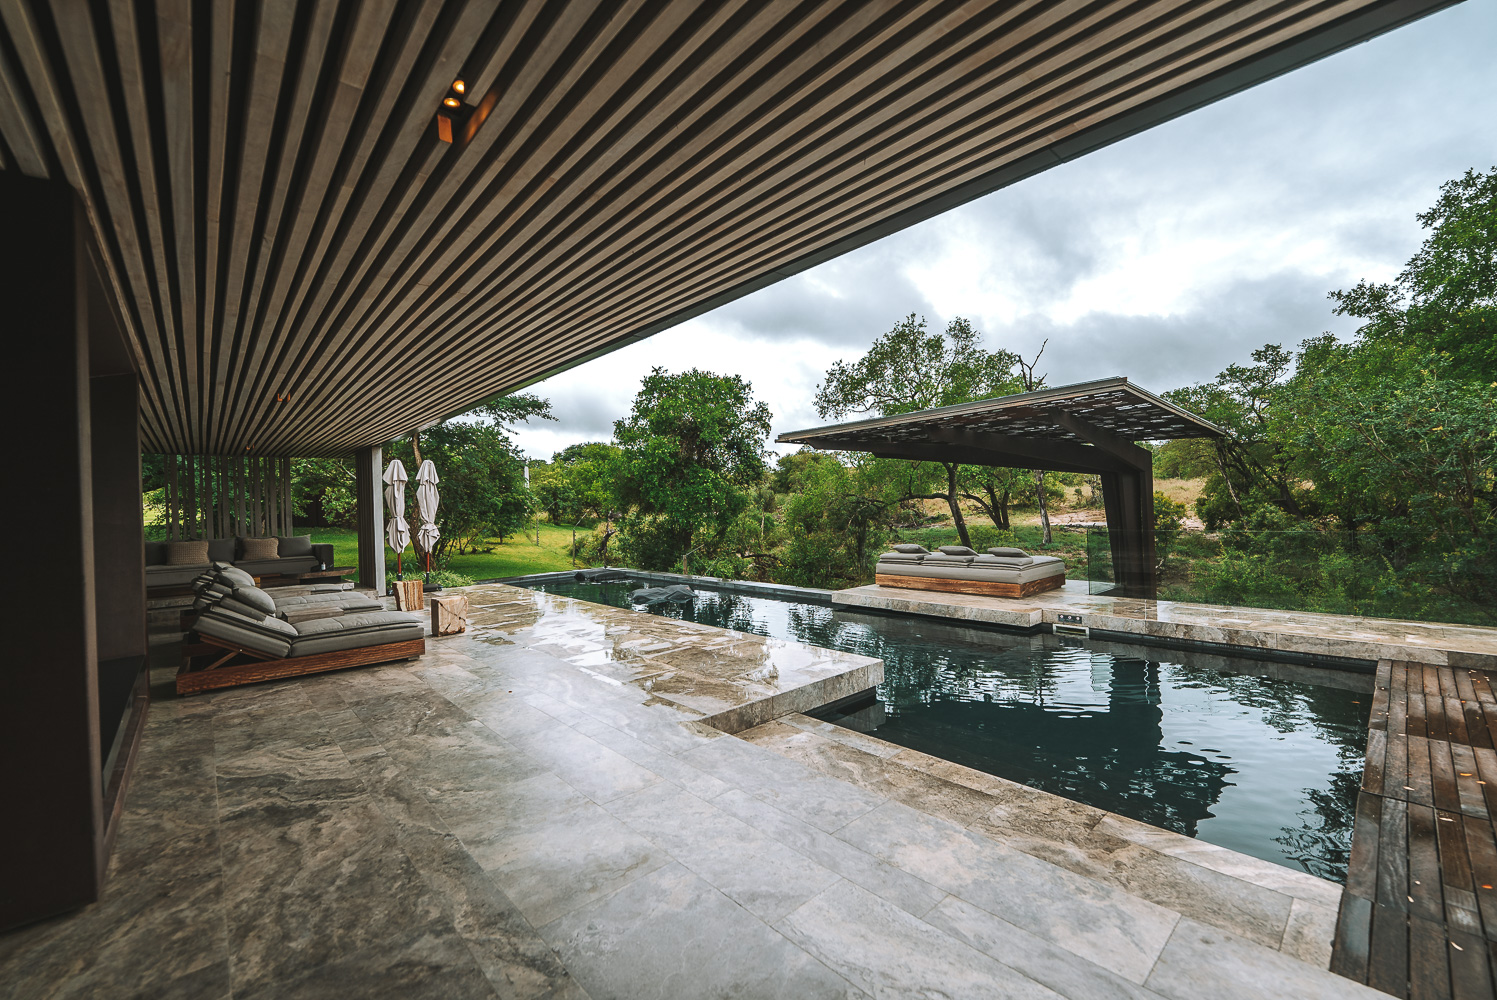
(1264,902)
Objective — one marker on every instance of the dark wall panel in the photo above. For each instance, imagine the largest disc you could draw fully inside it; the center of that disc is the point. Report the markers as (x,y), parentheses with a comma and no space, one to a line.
(51,838)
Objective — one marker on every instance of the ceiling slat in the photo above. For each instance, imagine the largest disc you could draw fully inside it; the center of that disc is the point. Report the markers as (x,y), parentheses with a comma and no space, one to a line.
(275,213)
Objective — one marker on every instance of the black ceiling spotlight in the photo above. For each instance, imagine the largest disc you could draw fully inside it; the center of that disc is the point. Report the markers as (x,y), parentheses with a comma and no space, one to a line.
(454,113)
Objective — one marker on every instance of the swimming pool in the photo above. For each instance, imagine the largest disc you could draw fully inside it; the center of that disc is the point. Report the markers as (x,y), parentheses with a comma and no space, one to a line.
(1262,758)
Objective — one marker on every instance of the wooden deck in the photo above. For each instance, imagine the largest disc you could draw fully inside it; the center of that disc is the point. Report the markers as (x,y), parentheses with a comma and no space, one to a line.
(1419,916)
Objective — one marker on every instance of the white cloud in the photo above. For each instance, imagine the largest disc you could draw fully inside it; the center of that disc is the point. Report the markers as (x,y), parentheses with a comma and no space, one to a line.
(1164,257)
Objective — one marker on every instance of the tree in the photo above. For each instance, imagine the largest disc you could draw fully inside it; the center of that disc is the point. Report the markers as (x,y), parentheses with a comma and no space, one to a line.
(909,369)
(693,450)
(1031,382)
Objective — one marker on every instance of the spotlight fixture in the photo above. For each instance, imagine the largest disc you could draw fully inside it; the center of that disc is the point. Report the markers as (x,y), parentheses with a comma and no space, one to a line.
(453,113)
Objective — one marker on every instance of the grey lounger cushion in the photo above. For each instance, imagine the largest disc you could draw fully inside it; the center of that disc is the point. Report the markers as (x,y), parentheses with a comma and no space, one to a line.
(270,636)
(345,599)
(355,631)
(906,557)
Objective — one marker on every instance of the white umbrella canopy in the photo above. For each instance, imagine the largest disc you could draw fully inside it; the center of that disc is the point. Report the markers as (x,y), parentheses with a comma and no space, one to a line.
(427,499)
(397,530)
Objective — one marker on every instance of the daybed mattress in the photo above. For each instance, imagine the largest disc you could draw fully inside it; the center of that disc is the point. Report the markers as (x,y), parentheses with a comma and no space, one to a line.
(1039,568)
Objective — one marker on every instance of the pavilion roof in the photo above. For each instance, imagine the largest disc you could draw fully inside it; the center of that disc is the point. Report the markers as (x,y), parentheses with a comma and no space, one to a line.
(1107,415)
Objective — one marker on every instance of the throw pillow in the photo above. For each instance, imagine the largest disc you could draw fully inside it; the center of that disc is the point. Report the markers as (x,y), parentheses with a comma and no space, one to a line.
(294,545)
(1009,552)
(187,553)
(155,553)
(258,548)
(910,548)
(221,550)
(957,550)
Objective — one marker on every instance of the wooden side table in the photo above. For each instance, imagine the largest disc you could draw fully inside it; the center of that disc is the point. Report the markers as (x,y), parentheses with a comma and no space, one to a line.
(449,614)
(408,595)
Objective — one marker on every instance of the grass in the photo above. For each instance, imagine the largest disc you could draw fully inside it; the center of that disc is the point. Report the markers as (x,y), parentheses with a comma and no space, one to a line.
(515,556)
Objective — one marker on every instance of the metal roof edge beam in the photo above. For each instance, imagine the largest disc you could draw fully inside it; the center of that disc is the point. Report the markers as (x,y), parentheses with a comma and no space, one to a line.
(1106,440)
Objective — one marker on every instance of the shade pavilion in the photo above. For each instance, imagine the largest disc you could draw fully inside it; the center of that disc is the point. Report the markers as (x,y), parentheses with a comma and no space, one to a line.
(1090,427)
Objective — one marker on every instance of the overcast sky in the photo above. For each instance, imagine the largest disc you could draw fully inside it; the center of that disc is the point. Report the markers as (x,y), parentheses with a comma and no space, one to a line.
(1164,257)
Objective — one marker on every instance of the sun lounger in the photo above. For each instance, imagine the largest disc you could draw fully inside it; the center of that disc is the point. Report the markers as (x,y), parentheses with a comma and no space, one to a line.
(249,650)
(955,569)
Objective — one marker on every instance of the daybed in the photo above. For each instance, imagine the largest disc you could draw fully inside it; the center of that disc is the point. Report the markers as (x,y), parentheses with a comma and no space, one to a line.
(222,582)
(176,564)
(956,569)
(242,637)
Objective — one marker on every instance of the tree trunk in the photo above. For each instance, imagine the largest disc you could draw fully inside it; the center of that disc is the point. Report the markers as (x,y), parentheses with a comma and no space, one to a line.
(1039,493)
(954,503)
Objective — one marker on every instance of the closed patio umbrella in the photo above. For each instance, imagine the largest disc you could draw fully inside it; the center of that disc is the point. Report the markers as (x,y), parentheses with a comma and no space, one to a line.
(427,498)
(397,531)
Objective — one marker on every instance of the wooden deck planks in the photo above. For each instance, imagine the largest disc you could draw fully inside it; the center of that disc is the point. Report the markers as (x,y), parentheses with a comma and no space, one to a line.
(1419,915)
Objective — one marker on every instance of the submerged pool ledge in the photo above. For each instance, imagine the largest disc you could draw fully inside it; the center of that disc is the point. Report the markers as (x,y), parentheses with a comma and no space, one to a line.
(1308,634)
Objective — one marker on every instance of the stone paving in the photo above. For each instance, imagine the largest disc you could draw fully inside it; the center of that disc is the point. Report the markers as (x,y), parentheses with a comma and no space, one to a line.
(538,809)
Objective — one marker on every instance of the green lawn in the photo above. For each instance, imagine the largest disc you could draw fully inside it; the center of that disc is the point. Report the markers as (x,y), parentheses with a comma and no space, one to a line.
(516,556)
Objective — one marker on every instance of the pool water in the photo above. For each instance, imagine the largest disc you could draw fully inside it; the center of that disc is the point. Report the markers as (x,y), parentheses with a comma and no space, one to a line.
(1202,744)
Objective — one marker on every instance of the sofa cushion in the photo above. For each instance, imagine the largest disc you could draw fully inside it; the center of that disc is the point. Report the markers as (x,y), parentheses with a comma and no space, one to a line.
(910,548)
(944,560)
(957,550)
(221,550)
(293,545)
(155,553)
(911,557)
(278,566)
(171,576)
(251,549)
(187,553)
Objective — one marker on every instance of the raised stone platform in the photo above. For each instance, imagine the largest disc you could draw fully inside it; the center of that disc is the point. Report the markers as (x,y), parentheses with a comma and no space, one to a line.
(1344,636)
(732,680)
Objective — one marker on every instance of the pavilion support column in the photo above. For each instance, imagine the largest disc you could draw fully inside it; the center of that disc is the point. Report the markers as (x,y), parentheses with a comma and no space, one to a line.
(1129,498)
(368,467)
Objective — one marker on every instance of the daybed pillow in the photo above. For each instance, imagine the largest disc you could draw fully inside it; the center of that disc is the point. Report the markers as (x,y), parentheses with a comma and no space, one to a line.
(186,553)
(957,550)
(909,548)
(293,545)
(1008,552)
(235,577)
(241,608)
(258,548)
(255,598)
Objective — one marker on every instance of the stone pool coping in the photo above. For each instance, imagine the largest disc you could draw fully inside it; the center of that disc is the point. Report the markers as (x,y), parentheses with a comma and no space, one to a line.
(1333,637)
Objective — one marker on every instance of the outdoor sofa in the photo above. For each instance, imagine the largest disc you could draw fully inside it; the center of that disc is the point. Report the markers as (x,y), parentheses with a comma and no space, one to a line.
(242,635)
(176,564)
(956,569)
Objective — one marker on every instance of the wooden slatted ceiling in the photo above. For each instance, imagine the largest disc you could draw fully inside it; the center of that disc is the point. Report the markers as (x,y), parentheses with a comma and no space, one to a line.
(1113,405)
(305,268)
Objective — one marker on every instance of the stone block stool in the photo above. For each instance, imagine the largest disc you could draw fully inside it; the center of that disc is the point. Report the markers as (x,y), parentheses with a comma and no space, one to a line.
(449,614)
